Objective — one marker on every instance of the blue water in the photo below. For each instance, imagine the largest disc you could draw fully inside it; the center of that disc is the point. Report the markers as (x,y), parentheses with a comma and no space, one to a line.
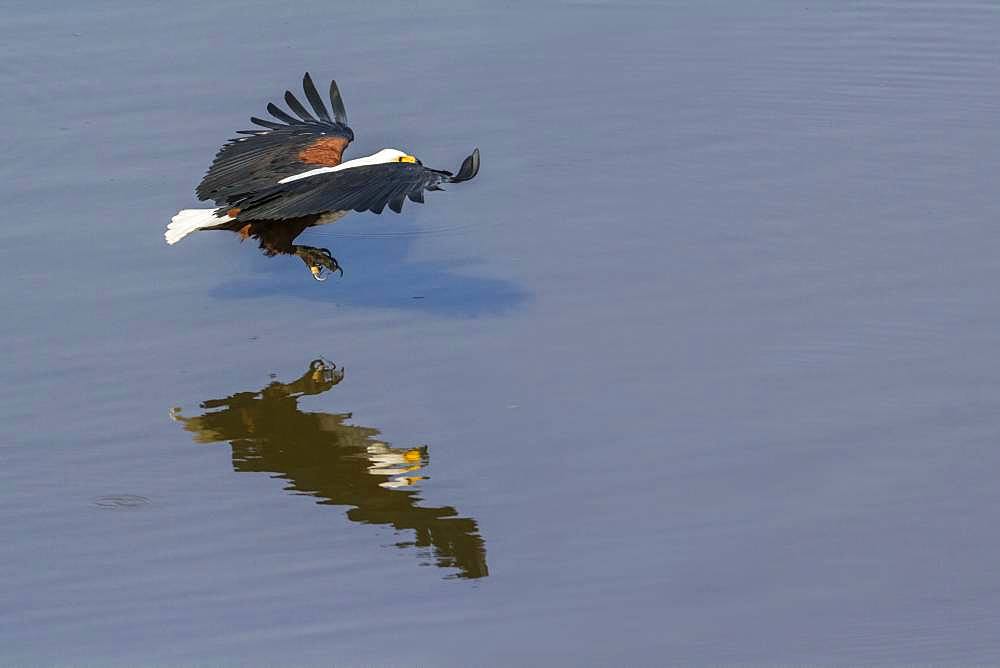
(699,369)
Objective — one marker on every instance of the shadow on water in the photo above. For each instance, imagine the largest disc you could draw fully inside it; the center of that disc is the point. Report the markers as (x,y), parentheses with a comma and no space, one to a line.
(378,273)
(341,464)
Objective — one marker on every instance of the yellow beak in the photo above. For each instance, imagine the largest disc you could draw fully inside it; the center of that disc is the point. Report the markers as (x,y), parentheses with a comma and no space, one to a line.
(407,158)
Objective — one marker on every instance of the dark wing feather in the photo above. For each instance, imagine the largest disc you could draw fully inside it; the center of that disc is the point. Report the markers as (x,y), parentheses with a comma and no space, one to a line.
(368,188)
(271,125)
(296,106)
(281,114)
(261,158)
(314,99)
(337,104)
(396,203)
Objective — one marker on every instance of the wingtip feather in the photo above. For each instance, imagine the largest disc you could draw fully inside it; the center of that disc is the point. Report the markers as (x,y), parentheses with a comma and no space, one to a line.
(314,99)
(337,103)
(281,114)
(297,107)
(469,168)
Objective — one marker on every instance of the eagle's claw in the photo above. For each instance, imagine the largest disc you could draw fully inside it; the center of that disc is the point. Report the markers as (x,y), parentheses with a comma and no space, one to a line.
(319,260)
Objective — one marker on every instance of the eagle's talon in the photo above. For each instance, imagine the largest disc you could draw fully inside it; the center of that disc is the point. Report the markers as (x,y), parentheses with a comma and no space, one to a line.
(319,261)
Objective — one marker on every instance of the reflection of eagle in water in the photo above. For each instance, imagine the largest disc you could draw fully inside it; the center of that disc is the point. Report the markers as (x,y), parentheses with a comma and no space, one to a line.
(345,465)
(272,184)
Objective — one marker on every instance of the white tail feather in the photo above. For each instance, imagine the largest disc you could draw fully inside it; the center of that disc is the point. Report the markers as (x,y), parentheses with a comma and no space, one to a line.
(189,220)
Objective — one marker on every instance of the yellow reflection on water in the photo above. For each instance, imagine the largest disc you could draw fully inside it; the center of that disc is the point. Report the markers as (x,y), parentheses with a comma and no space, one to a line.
(341,464)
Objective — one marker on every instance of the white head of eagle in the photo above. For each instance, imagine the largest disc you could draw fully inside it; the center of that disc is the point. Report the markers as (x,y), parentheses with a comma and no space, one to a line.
(273,183)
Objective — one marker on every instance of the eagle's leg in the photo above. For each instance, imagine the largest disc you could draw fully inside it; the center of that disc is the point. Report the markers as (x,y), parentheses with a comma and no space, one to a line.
(276,238)
(318,260)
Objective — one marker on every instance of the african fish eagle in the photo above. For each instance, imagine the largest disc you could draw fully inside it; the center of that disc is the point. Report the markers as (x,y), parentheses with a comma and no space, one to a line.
(272,184)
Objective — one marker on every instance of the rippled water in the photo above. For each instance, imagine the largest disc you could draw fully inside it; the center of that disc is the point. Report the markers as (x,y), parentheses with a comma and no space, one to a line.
(699,369)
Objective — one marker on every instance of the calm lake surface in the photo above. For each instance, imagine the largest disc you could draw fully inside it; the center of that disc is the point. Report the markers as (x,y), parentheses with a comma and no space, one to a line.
(701,368)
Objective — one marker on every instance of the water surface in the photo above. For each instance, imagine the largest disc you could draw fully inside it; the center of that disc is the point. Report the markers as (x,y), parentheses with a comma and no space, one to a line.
(700,368)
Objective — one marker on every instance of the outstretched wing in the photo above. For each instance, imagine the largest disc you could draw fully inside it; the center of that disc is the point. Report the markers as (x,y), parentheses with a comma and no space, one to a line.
(285,147)
(367,188)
